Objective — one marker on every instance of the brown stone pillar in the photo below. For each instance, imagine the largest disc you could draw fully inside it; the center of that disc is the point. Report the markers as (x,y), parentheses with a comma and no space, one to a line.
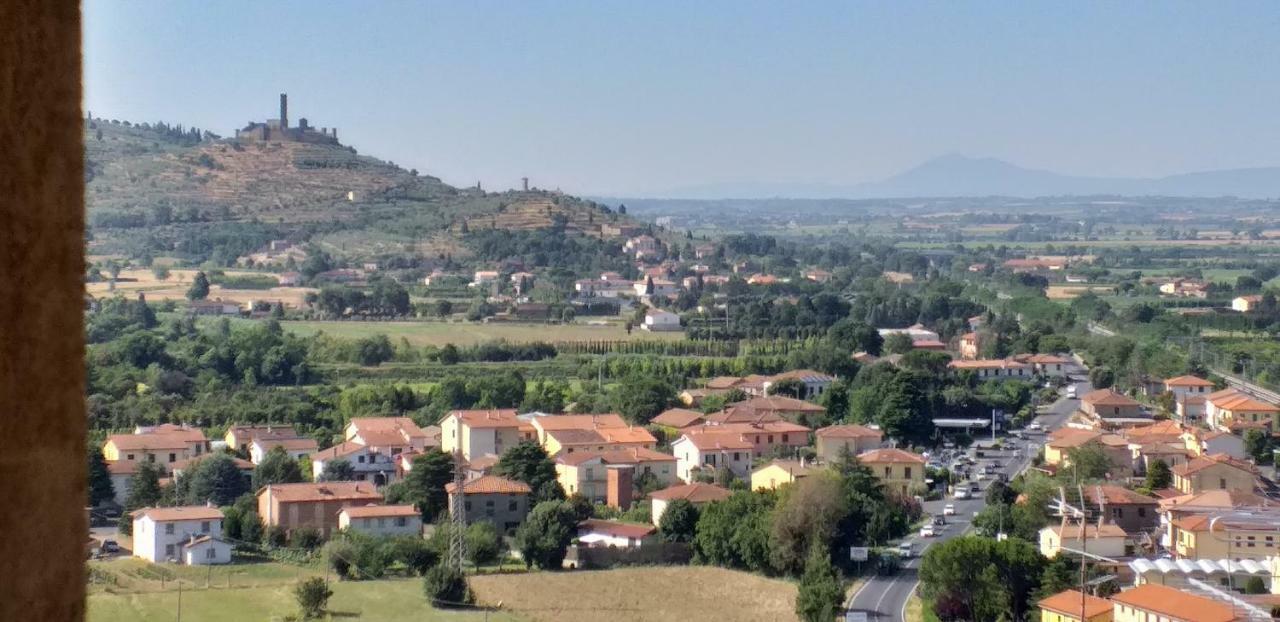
(42,420)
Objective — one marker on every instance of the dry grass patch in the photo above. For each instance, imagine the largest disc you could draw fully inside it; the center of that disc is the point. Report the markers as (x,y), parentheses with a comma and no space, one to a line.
(676,593)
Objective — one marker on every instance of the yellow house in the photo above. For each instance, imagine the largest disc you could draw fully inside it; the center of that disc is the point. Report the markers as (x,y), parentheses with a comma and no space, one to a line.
(1072,606)
(900,471)
(164,444)
(1214,472)
(479,433)
(779,472)
(1230,409)
(586,472)
(573,433)
(832,440)
(1157,603)
(1237,537)
(1106,540)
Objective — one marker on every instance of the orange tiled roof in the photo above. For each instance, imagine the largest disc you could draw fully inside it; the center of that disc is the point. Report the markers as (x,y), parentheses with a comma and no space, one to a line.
(1108,397)
(677,417)
(1107,530)
(987,364)
(188,512)
(127,442)
(848,431)
(322,491)
(491,485)
(1068,603)
(1175,604)
(694,493)
(386,431)
(375,511)
(491,418)
(615,528)
(1204,462)
(579,422)
(630,455)
(1187,381)
(1118,495)
(889,455)
(711,441)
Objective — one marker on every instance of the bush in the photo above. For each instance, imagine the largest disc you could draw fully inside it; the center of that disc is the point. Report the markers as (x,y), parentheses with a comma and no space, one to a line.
(445,586)
(305,538)
(416,554)
(483,543)
(1255,585)
(313,596)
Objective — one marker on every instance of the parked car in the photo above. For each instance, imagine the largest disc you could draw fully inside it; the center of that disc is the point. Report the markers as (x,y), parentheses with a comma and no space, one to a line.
(1035,425)
(1071,391)
(110,546)
(949,509)
(975,487)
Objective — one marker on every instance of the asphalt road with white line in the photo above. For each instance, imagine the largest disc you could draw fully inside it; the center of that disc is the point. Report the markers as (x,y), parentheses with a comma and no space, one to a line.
(884,598)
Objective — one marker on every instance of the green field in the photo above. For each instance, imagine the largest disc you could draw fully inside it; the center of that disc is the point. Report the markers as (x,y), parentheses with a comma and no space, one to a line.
(258,592)
(470,333)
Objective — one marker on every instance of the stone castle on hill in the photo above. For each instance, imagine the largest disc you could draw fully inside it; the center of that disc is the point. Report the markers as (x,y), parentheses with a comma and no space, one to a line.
(278,130)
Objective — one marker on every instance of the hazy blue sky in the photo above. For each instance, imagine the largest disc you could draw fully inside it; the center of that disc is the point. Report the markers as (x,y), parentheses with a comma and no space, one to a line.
(634,97)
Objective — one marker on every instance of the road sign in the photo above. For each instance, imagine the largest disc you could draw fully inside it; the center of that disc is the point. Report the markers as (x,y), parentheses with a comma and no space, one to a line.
(858,553)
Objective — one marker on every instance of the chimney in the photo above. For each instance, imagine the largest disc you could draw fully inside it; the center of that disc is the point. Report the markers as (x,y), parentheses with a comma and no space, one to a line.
(284,111)
(618,486)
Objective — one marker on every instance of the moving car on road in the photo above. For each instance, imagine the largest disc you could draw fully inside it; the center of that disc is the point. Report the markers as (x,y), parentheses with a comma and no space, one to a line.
(928,531)
(949,509)
(961,493)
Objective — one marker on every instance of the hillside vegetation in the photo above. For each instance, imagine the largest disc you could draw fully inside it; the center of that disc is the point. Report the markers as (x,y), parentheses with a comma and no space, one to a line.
(160,189)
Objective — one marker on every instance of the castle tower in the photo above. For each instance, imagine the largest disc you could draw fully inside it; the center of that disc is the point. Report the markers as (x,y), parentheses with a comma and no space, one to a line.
(526,183)
(284,111)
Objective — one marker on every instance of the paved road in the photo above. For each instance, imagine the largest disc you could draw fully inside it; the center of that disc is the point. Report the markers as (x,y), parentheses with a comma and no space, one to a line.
(884,598)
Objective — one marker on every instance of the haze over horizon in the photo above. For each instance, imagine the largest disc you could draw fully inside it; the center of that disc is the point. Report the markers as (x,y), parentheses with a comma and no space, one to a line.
(611,99)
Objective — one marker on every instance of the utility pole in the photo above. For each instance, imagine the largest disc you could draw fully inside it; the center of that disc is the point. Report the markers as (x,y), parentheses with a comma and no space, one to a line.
(457,514)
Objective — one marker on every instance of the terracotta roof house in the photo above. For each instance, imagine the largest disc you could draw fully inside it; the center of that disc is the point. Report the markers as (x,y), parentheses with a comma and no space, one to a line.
(778,472)
(238,437)
(481,432)
(764,408)
(1130,510)
(1230,408)
(831,441)
(599,532)
(1158,602)
(381,520)
(387,433)
(313,505)
(1107,539)
(1105,404)
(697,493)
(678,418)
(993,369)
(497,500)
(1215,472)
(900,471)
(1067,604)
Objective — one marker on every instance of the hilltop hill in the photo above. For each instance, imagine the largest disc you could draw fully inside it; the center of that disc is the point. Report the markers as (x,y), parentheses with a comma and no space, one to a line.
(169,189)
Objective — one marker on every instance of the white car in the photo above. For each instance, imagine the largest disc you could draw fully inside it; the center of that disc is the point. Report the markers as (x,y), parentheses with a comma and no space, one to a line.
(949,509)
(927,531)
(1035,425)
(961,493)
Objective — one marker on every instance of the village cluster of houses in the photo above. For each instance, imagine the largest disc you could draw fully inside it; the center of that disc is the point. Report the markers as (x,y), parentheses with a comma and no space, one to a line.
(598,456)
(1214,521)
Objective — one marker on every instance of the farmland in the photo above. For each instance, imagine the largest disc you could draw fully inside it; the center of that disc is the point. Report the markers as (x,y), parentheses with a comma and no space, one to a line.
(257,592)
(471,333)
(643,593)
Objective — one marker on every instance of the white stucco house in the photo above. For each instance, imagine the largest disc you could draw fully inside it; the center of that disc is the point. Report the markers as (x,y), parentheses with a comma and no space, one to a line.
(657,320)
(189,535)
(381,520)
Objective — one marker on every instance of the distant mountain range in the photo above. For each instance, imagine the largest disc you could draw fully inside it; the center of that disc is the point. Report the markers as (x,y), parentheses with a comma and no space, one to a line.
(962,176)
